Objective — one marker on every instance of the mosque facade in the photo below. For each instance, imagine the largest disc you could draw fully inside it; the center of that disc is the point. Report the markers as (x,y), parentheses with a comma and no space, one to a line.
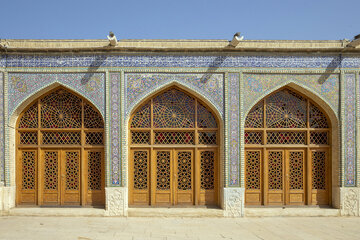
(180,123)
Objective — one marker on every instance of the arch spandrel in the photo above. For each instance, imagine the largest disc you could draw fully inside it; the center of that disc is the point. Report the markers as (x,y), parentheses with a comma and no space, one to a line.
(140,86)
(25,87)
(318,87)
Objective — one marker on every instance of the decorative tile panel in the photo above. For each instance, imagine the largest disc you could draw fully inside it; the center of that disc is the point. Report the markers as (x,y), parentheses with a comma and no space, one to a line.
(23,85)
(259,85)
(252,61)
(349,129)
(234,128)
(139,85)
(2,136)
(115,120)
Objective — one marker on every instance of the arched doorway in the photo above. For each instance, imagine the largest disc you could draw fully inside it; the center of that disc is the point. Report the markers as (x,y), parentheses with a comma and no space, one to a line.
(60,152)
(287,152)
(174,142)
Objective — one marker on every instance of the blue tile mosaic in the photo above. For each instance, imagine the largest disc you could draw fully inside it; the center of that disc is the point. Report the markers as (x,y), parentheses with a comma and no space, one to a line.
(2,136)
(23,85)
(251,61)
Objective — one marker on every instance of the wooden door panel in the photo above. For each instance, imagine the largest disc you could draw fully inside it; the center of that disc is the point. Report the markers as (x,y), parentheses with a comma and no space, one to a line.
(295,177)
(95,177)
(139,177)
(319,177)
(184,187)
(50,179)
(70,177)
(163,178)
(275,177)
(208,177)
(27,180)
(253,181)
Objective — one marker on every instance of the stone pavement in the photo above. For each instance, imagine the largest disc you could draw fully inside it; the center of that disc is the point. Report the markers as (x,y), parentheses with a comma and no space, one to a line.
(86,228)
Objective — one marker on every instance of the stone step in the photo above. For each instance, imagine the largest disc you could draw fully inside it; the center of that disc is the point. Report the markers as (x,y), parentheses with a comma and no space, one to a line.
(291,212)
(175,212)
(50,211)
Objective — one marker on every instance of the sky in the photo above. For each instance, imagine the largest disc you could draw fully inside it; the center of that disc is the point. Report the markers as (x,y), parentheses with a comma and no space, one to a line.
(180,19)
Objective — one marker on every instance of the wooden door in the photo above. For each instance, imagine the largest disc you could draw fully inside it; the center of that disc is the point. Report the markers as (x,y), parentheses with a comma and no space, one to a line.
(163,173)
(274,174)
(253,179)
(207,176)
(318,175)
(184,177)
(95,174)
(60,178)
(27,177)
(139,177)
(295,177)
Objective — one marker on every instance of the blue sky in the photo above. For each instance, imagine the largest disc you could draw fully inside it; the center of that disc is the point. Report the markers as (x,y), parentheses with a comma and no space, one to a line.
(180,19)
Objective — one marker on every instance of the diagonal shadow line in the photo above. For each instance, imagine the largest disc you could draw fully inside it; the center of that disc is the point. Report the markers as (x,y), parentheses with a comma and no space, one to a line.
(213,67)
(92,69)
(330,69)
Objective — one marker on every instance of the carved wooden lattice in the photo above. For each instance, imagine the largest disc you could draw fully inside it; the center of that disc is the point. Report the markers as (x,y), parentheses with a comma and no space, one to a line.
(51,170)
(184,170)
(319,138)
(317,118)
(60,109)
(72,170)
(318,170)
(141,118)
(140,169)
(163,170)
(275,170)
(205,118)
(139,137)
(30,118)
(28,138)
(59,138)
(28,170)
(255,118)
(207,138)
(207,169)
(253,137)
(174,138)
(286,137)
(253,178)
(296,163)
(94,170)
(174,109)
(94,138)
(92,118)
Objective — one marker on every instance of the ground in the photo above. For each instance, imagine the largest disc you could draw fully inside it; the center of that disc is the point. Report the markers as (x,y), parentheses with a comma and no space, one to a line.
(86,228)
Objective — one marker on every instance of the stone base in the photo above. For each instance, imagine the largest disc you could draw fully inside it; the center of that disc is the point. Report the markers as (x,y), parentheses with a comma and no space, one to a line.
(349,201)
(7,199)
(234,202)
(116,201)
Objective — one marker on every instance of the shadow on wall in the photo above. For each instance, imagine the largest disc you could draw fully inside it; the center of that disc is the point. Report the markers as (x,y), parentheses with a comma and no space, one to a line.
(333,65)
(94,66)
(214,66)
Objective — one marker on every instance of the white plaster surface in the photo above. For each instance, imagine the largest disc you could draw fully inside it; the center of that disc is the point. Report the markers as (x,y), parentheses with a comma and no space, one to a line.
(234,202)
(90,228)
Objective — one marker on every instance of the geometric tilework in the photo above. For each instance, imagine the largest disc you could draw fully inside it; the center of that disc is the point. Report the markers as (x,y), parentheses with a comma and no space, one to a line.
(138,85)
(287,61)
(349,125)
(23,85)
(234,129)
(2,137)
(259,85)
(115,155)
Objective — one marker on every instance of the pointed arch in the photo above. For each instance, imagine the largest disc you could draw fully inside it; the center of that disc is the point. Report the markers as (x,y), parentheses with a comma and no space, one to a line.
(295,135)
(144,98)
(176,113)
(303,90)
(40,92)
